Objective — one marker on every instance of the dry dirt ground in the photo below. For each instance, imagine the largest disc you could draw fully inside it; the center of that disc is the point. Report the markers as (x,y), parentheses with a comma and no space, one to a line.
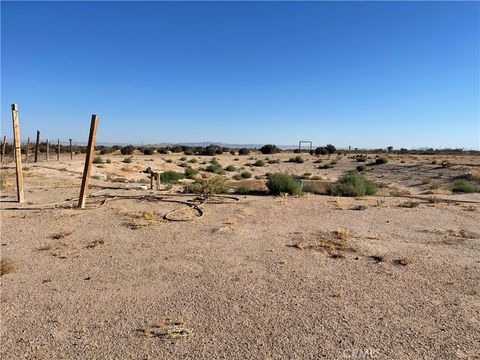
(262,278)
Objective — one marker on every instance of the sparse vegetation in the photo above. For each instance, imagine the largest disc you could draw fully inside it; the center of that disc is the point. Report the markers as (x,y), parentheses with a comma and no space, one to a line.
(213,185)
(147,151)
(243,151)
(230,168)
(259,163)
(127,160)
(215,168)
(190,172)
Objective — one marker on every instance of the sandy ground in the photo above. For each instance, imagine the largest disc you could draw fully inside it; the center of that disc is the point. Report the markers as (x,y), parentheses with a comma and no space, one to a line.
(251,278)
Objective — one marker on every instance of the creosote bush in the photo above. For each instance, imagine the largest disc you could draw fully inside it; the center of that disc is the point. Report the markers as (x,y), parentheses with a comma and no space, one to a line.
(97,160)
(246,175)
(230,168)
(279,183)
(269,149)
(148,151)
(127,150)
(297,159)
(352,184)
(259,163)
(381,160)
(464,186)
(215,168)
(243,151)
(127,160)
(168,177)
(190,172)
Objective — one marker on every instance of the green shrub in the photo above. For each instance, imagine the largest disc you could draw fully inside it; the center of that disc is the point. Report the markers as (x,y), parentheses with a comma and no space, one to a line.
(192,161)
(127,160)
(283,183)
(171,177)
(353,184)
(190,172)
(246,175)
(214,168)
(183,164)
(259,163)
(97,160)
(127,150)
(230,168)
(183,158)
(108,161)
(169,161)
(297,159)
(243,151)
(362,159)
(464,186)
(381,160)
(361,168)
(274,161)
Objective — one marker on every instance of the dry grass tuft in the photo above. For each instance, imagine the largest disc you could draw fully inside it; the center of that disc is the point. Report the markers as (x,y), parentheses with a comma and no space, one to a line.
(378,258)
(61,234)
(404,261)
(342,234)
(6,266)
(340,204)
(409,204)
(462,234)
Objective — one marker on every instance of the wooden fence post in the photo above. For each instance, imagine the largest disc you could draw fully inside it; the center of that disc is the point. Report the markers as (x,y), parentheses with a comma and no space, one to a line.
(27,151)
(58,149)
(47,154)
(3,146)
(18,153)
(36,146)
(88,162)
(71,152)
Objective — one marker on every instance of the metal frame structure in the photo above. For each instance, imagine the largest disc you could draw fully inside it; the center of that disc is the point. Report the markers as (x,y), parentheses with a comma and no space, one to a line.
(305,142)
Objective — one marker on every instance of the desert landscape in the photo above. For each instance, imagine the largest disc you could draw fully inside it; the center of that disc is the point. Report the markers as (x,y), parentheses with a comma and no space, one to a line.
(226,269)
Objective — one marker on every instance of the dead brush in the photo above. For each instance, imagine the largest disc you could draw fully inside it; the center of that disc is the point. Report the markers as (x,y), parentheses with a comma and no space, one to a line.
(168,329)
(95,243)
(329,243)
(404,261)
(409,204)
(61,234)
(378,258)
(464,234)
(6,266)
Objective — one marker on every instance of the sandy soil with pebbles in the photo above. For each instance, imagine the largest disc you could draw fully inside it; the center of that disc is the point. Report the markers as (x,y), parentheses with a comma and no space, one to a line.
(262,278)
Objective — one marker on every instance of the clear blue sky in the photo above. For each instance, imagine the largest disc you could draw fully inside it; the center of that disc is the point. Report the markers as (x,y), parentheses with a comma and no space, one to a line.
(368,74)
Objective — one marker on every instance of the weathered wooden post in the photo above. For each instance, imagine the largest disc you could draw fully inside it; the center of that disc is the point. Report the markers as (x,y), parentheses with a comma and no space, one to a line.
(27,151)
(37,143)
(58,149)
(18,153)
(88,162)
(4,146)
(71,152)
(47,154)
